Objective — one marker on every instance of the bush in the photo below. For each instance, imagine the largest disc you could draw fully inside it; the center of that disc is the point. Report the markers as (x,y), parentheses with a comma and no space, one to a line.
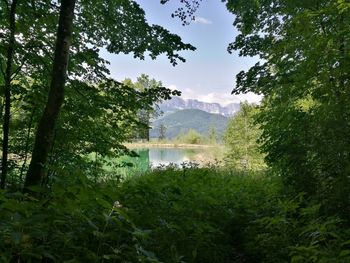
(207,215)
(77,222)
(191,137)
(189,215)
(195,215)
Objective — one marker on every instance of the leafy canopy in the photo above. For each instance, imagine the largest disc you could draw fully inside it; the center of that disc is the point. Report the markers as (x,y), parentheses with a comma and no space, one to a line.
(304,75)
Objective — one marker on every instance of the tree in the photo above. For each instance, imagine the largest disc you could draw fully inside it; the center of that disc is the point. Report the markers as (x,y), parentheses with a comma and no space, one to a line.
(241,136)
(122,28)
(7,88)
(144,115)
(213,137)
(33,58)
(162,132)
(186,13)
(191,137)
(92,128)
(45,131)
(16,46)
(305,79)
(23,45)
(143,83)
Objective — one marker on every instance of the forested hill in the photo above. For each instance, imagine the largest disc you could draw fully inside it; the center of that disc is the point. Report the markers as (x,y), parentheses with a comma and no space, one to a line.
(183,120)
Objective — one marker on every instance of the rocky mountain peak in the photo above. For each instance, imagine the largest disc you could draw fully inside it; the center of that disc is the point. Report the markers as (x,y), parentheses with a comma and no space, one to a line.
(177,103)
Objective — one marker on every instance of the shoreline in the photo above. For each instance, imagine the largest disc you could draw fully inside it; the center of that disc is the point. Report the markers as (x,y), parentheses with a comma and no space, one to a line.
(169,145)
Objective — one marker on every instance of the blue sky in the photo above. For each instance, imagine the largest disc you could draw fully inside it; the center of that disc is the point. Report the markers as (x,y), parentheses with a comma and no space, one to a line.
(209,72)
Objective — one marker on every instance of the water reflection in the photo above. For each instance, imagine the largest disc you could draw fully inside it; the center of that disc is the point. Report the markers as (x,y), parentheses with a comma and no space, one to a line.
(160,157)
(164,156)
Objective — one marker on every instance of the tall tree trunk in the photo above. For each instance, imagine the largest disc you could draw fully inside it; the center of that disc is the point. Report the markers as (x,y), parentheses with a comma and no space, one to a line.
(45,131)
(7,90)
(26,149)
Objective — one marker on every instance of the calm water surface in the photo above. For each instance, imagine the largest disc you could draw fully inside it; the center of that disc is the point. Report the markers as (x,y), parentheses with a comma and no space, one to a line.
(156,157)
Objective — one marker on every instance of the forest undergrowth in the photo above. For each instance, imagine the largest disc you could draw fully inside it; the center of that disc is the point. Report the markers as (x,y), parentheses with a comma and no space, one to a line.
(169,215)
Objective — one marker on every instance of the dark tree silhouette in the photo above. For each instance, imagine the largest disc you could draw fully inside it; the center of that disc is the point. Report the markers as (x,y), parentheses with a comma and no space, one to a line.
(45,132)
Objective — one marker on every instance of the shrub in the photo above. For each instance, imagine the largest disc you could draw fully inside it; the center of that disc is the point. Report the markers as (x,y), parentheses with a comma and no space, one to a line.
(77,222)
(191,137)
(170,215)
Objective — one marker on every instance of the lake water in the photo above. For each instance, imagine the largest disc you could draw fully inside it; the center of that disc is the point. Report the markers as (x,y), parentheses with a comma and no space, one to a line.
(157,157)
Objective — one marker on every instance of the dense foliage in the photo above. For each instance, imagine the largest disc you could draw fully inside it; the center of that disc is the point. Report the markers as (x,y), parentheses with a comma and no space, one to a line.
(190,137)
(92,103)
(304,77)
(145,114)
(241,137)
(57,98)
(191,215)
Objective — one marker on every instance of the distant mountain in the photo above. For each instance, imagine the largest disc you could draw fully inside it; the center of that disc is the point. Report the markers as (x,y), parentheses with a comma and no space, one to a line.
(183,120)
(177,103)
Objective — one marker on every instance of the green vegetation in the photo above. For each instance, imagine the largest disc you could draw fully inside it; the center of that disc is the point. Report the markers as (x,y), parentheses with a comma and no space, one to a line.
(304,77)
(145,84)
(191,215)
(63,199)
(180,122)
(213,137)
(208,215)
(162,132)
(191,137)
(241,137)
(52,122)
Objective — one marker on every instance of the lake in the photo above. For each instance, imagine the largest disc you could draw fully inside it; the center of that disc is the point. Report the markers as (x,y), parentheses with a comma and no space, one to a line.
(163,156)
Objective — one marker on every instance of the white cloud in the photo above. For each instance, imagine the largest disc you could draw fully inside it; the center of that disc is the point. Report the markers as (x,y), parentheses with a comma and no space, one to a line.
(250,97)
(202,20)
(222,98)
